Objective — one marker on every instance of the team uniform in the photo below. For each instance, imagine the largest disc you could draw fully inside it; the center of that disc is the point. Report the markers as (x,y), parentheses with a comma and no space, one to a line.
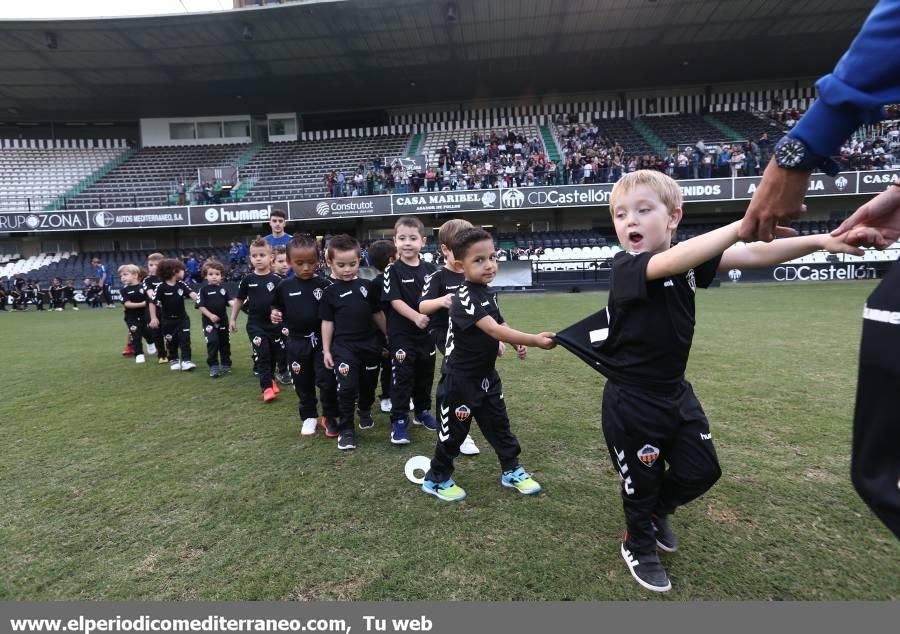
(437,285)
(411,349)
(298,300)
(56,296)
(149,286)
(651,417)
(385,369)
(135,318)
(354,349)
(174,323)
(216,299)
(69,296)
(35,295)
(257,291)
(20,297)
(470,386)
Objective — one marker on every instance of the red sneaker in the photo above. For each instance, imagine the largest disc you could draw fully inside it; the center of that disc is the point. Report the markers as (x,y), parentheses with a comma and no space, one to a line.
(275,387)
(128,351)
(330,426)
(269,395)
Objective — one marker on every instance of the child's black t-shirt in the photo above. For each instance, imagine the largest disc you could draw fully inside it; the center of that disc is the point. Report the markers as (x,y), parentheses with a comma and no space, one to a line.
(350,306)
(470,351)
(404,282)
(258,291)
(215,299)
(437,285)
(299,300)
(170,299)
(651,322)
(134,293)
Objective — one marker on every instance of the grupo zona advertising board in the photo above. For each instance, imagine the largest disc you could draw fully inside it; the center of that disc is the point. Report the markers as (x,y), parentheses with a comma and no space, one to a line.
(43,221)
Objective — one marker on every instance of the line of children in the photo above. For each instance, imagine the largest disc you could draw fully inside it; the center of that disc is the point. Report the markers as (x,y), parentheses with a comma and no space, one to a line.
(296,309)
(167,313)
(470,387)
(213,305)
(437,295)
(256,292)
(651,418)
(135,302)
(350,315)
(382,253)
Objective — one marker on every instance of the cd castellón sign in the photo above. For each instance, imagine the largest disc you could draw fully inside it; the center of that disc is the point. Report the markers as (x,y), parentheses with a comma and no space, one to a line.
(423,202)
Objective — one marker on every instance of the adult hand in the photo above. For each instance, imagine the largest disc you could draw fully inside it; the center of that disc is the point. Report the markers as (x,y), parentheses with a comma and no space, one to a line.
(882,213)
(779,198)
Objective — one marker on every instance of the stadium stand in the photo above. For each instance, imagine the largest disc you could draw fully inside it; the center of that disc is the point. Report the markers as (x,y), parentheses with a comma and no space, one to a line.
(37,173)
(149,177)
(292,170)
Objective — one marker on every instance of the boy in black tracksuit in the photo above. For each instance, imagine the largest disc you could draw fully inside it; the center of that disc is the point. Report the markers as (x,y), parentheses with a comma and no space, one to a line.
(470,386)
(168,314)
(437,294)
(56,294)
(135,303)
(641,341)
(257,289)
(69,295)
(412,351)
(349,346)
(213,305)
(381,254)
(150,284)
(296,310)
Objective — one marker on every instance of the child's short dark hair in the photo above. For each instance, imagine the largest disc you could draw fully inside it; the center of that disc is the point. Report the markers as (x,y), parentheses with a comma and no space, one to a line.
(380,253)
(215,265)
(410,221)
(450,229)
(279,250)
(168,267)
(261,243)
(466,238)
(342,242)
(302,241)
(278,213)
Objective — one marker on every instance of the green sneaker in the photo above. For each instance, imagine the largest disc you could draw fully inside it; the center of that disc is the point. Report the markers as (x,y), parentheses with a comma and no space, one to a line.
(520,480)
(448,490)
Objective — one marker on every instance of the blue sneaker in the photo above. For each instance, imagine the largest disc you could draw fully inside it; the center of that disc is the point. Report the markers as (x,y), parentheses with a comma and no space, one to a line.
(521,481)
(400,431)
(426,420)
(448,490)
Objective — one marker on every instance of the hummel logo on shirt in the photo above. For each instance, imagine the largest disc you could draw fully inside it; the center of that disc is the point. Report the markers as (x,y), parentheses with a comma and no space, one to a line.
(252,285)
(407,281)
(345,294)
(669,283)
(294,294)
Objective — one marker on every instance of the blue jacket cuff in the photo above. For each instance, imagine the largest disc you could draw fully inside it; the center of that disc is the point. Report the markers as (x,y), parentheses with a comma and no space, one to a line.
(823,128)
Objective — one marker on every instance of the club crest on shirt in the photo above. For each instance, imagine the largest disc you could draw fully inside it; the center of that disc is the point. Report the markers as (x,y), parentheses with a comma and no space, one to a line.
(344,369)
(285,332)
(462,413)
(317,293)
(364,291)
(270,286)
(648,454)
(691,280)
(295,367)
(400,355)
(221,291)
(257,341)
(180,292)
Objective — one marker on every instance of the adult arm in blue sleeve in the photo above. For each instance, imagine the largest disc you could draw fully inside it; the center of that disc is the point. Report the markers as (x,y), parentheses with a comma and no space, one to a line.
(865,79)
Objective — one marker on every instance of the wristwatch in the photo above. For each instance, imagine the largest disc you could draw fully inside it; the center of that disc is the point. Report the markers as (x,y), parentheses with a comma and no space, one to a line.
(793,154)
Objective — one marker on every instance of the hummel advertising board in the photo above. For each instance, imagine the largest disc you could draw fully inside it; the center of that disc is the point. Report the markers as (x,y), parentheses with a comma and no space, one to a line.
(347,207)
(245,213)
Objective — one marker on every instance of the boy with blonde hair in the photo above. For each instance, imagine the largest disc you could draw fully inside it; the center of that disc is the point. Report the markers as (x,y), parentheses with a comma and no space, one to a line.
(135,303)
(651,417)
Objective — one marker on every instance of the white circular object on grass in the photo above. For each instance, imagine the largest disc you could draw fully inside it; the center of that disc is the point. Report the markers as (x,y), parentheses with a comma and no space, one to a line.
(414,464)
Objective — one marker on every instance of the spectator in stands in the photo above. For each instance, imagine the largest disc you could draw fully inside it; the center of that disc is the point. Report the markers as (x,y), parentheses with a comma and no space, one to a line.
(765,147)
(182,193)
(339,184)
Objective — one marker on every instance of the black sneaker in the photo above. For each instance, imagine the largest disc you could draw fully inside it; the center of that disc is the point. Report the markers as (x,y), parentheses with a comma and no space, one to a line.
(346,440)
(666,540)
(214,372)
(646,569)
(329,424)
(224,369)
(365,420)
(284,377)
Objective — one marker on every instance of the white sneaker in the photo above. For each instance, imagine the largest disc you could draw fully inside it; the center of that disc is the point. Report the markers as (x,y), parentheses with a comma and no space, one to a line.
(151,348)
(412,406)
(469,448)
(386,405)
(175,365)
(73,308)
(140,359)
(59,310)
(309,427)
(187,366)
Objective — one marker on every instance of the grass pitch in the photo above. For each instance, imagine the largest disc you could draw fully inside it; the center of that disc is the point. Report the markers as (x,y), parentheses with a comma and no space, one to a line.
(126,482)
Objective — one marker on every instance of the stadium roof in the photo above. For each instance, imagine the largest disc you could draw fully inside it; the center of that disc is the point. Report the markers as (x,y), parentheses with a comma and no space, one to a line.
(317,56)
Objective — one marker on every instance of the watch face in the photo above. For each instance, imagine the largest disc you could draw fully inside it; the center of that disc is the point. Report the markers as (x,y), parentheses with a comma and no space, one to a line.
(790,153)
